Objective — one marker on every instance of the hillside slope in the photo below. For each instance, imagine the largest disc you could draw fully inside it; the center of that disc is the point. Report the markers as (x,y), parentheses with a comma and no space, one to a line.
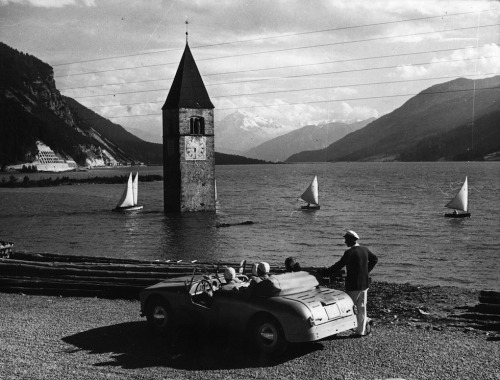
(440,110)
(32,109)
(306,138)
(128,143)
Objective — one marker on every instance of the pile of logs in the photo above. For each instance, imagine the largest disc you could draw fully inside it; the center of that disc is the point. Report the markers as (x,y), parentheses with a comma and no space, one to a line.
(51,274)
(485,315)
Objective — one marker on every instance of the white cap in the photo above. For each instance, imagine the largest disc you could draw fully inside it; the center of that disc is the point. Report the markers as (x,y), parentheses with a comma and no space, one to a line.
(229,274)
(352,234)
(264,267)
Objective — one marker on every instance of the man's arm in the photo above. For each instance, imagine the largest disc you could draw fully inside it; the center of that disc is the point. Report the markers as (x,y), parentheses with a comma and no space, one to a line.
(372,261)
(338,265)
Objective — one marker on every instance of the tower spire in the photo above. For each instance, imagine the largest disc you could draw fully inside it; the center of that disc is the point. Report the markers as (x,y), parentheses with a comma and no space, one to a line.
(187,24)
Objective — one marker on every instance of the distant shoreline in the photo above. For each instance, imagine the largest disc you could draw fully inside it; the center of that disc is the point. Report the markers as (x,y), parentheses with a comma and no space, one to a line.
(14,182)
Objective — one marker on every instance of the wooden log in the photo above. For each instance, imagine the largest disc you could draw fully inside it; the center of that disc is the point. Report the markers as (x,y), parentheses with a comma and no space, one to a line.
(49,292)
(487,308)
(143,281)
(161,267)
(51,257)
(489,293)
(24,269)
(78,289)
(72,292)
(489,299)
(477,316)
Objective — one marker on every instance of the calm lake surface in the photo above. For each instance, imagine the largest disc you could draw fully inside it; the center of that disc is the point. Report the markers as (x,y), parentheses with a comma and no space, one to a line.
(396,208)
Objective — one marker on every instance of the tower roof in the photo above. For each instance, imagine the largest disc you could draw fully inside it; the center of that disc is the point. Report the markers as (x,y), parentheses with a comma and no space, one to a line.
(187,90)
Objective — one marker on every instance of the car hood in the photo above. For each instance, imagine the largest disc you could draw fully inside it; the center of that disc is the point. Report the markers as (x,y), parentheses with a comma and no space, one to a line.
(324,303)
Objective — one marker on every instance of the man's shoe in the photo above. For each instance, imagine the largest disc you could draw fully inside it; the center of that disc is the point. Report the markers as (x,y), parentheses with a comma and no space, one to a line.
(355,335)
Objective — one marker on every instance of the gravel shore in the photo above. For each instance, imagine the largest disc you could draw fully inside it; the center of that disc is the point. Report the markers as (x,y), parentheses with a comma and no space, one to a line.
(418,334)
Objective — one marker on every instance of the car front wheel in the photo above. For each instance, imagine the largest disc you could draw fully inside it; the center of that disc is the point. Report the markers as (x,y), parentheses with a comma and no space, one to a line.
(159,315)
(267,336)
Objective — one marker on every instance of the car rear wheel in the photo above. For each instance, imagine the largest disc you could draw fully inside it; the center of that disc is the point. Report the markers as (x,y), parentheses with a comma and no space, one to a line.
(159,315)
(267,336)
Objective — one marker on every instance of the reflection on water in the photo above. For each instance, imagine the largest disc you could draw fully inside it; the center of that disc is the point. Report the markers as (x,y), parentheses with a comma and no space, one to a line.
(191,236)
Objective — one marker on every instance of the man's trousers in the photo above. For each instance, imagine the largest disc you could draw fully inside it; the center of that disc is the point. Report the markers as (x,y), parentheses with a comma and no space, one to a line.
(359,297)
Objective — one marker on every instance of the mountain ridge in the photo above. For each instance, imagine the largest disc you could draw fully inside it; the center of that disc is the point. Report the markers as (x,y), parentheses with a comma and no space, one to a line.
(439,109)
(303,139)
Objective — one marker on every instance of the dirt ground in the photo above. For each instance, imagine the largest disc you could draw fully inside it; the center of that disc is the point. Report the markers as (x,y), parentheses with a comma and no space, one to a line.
(419,333)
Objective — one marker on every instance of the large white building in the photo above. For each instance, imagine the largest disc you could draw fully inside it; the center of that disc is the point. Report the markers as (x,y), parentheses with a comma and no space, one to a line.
(47,161)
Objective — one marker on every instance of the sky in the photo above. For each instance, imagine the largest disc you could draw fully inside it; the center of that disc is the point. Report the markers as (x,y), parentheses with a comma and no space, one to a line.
(295,62)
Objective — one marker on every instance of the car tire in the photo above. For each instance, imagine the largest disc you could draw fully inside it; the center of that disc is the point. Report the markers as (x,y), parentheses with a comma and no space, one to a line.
(267,336)
(159,315)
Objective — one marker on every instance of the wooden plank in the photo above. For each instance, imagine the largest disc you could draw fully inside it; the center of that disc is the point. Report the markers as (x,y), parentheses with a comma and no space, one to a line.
(491,300)
(487,308)
(33,269)
(489,293)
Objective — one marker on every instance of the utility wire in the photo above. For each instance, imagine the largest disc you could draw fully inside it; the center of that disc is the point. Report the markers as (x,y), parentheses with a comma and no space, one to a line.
(295,90)
(281,67)
(285,77)
(277,36)
(310,102)
(282,50)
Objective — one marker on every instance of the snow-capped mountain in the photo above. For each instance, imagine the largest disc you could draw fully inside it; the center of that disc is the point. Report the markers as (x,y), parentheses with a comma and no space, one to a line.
(241,131)
(310,137)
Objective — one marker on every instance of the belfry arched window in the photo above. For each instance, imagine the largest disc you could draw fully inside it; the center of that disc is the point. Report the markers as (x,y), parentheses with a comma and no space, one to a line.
(197,125)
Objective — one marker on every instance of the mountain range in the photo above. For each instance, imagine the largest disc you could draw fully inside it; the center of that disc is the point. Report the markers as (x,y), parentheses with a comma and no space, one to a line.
(32,109)
(240,131)
(306,138)
(456,120)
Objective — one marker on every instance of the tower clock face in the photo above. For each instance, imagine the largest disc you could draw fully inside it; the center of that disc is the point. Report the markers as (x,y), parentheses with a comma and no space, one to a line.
(195,148)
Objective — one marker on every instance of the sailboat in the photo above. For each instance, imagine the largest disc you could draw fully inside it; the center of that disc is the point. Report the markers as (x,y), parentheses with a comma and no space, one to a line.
(459,202)
(128,201)
(311,196)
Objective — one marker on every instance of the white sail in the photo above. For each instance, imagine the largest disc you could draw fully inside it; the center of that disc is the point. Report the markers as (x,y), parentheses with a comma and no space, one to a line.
(311,193)
(459,202)
(127,198)
(135,188)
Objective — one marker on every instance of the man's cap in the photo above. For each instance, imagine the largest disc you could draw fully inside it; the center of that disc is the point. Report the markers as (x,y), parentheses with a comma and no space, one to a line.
(263,268)
(351,234)
(229,274)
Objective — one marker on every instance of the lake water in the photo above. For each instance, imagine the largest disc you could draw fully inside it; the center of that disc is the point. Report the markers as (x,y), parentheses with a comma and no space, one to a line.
(396,208)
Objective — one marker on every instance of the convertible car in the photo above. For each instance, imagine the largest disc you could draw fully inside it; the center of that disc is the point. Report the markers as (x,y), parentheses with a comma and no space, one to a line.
(289,307)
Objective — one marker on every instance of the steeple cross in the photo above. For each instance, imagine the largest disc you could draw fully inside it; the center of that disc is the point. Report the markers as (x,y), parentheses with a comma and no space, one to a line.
(187,24)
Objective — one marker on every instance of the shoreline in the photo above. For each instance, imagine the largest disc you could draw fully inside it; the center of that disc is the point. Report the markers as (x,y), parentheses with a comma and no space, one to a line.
(418,334)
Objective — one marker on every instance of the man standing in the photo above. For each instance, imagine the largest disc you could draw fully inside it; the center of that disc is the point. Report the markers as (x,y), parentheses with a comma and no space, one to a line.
(359,262)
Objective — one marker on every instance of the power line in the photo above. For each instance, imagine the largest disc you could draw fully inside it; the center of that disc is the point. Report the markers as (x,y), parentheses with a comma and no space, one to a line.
(281,67)
(310,102)
(277,36)
(295,90)
(282,50)
(283,77)
(362,98)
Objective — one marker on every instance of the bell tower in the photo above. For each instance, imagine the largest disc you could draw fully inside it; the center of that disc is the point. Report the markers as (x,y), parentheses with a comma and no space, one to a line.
(188,142)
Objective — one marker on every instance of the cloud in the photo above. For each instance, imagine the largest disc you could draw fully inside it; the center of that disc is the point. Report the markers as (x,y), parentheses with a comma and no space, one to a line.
(50,3)
(411,72)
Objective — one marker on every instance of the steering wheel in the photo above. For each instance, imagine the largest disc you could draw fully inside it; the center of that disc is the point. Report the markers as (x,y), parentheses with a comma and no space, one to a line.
(204,286)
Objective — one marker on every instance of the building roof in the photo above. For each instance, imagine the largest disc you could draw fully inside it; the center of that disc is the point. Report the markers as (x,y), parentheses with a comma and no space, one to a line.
(187,90)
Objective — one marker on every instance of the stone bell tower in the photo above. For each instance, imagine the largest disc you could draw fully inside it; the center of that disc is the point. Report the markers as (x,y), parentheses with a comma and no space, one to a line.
(188,142)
